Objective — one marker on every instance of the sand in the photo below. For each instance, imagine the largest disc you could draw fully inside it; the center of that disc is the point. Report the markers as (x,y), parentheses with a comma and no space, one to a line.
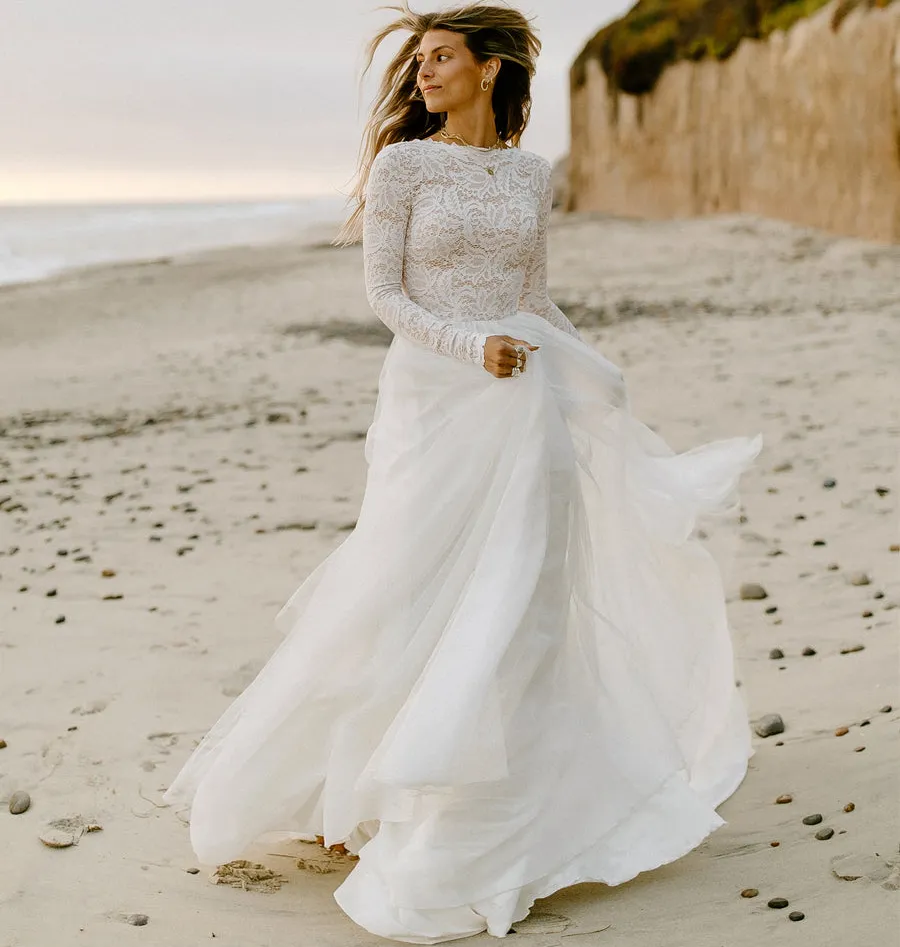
(182,442)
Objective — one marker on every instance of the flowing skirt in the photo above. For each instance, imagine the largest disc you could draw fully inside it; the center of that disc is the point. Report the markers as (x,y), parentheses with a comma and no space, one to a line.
(515,674)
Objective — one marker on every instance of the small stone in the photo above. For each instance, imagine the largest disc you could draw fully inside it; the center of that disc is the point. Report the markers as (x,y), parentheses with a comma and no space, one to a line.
(50,593)
(784,799)
(824,834)
(192,871)
(814,819)
(850,807)
(752,590)
(895,547)
(769,725)
(796,915)
(749,892)
(867,614)
(818,542)
(882,491)
(112,598)
(19,802)
(771,609)
(850,649)
(833,566)
(774,844)
(2,744)
(778,903)
(783,467)
(858,749)
(138,920)
(878,594)
(808,652)
(108,573)
(60,619)
(829,483)
(859,578)
(776,654)
(841,732)
(886,709)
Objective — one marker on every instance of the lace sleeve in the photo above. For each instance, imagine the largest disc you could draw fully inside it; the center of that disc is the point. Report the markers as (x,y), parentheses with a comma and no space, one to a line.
(389,194)
(534,297)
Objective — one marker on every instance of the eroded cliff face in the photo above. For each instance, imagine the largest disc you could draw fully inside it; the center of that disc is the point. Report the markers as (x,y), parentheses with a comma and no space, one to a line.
(804,126)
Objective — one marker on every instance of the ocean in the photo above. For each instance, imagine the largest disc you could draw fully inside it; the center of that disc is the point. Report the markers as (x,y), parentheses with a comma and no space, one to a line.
(40,240)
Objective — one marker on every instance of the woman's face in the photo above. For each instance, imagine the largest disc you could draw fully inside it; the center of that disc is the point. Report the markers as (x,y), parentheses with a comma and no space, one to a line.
(449,77)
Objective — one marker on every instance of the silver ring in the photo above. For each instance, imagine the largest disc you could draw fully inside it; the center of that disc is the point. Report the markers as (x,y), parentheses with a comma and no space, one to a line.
(516,371)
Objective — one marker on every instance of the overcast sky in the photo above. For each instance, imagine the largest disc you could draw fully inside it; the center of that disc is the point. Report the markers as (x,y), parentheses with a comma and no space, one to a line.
(181,99)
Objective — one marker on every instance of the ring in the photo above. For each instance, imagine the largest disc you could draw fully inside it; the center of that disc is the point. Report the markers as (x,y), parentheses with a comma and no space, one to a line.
(516,371)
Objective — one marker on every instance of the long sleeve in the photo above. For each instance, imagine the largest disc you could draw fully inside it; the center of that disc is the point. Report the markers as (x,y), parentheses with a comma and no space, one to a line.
(389,193)
(534,297)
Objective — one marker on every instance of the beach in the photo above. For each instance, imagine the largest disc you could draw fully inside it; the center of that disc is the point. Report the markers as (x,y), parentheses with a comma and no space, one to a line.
(182,443)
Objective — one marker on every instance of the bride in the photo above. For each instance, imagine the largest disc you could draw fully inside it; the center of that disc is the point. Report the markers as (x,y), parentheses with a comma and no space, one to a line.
(516,673)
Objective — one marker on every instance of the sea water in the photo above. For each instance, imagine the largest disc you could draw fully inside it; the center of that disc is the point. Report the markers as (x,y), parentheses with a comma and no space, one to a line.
(40,240)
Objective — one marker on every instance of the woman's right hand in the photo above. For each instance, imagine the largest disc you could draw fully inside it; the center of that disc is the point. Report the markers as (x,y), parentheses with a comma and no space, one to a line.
(500,355)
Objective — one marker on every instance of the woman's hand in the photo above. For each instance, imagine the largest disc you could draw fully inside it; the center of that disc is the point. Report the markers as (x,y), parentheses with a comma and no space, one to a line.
(500,355)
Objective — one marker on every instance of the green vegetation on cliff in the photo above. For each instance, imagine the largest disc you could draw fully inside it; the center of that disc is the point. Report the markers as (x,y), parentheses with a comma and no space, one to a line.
(635,49)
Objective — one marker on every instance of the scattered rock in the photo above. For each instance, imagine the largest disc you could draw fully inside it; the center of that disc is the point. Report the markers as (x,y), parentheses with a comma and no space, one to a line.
(192,871)
(778,903)
(841,732)
(769,725)
(3,744)
(850,649)
(138,920)
(818,542)
(867,614)
(776,653)
(808,652)
(307,524)
(824,834)
(858,749)
(112,598)
(859,578)
(796,915)
(749,892)
(895,547)
(50,593)
(886,709)
(771,609)
(833,566)
(850,807)
(60,619)
(752,591)
(829,483)
(882,491)
(108,573)
(783,467)
(784,799)
(813,819)
(19,802)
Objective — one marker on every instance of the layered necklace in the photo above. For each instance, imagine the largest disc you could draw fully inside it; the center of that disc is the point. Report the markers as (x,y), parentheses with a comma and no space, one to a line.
(498,144)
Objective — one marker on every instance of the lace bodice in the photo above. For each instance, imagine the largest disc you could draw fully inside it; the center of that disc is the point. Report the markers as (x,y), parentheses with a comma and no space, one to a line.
(446,243)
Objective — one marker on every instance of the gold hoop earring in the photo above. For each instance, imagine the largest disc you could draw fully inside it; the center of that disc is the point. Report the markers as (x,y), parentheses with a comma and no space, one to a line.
(484,87)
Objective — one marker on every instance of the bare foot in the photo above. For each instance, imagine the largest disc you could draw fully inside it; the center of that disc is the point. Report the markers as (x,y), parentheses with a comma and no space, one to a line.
(339,848)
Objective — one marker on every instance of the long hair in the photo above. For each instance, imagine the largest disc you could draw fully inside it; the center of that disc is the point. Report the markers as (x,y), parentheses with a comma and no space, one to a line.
(399,112)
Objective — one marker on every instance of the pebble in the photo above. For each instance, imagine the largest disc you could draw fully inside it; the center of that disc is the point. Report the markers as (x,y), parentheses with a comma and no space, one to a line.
(784,798)
(771,609)
(769,725)
(882,491)
(813,819)
(3,744)
(833,566)
(19,802)
(50,593)
(850,649)
(108,573)
(778,903)
(824,834)
(192,871)
(808,652)
(841,732)
(776,653)
(749,892)
(796,915)
(752,590)
(829,483)
(867,614)
(138,920)
(859,578)
(895,547)
(850,807)
(858,749)
(886,709)
(60,619)
(818,542)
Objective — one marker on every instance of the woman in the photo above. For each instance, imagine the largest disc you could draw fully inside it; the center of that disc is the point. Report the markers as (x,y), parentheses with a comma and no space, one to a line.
(516,673)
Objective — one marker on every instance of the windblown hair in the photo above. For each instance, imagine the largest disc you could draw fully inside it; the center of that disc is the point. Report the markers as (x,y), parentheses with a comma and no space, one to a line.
(399,112)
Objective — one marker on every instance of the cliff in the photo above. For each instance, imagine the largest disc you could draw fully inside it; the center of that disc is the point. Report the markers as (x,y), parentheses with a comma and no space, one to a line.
(803,126)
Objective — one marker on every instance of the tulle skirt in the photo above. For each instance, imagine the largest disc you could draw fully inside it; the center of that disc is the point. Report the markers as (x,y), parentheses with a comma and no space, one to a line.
(515,674)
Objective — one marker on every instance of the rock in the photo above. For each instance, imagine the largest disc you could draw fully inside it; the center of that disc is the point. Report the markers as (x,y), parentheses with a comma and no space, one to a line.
(854,867)
(814,819)
(784,799)
(769,725)
(60,619)
(866,614)
(108,573)
(859,578)
(776,654)
(808,652)
(3,744)
(858,749)
(824,834)
(783,467)
(778,903)
(841,732)
(751,591)
(894,547)
(50,593)
(882,491)
(19,802)
(850,649)
(796,915)
(886,709)
(833,566)
(749,892)
(849,807)
(192,871)
(138,920)
(771,609)
(818,542)
(774,844)
(829,483)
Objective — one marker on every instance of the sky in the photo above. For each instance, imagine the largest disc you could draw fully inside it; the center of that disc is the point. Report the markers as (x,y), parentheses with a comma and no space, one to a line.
(144,100)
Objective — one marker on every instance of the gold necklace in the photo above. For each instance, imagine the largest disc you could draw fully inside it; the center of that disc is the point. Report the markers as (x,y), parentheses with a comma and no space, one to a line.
(498,144)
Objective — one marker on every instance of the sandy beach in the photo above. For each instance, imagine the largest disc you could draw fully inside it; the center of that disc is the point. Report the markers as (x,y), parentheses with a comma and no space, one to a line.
(181,442)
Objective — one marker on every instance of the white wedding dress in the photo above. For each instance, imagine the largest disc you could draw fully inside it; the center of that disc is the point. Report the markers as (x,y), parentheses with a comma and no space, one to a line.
(516,673)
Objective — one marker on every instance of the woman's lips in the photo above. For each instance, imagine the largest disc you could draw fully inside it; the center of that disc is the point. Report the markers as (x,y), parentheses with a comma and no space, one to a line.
(430,88)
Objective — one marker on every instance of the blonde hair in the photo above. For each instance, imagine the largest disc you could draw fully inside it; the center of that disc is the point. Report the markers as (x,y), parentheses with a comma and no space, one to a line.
(399,112)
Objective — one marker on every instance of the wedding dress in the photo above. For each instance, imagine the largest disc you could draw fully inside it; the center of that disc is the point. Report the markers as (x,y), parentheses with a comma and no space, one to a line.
(515,674)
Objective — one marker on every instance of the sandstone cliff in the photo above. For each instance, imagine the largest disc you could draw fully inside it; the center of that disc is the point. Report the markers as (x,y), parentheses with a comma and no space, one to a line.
(804,126)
